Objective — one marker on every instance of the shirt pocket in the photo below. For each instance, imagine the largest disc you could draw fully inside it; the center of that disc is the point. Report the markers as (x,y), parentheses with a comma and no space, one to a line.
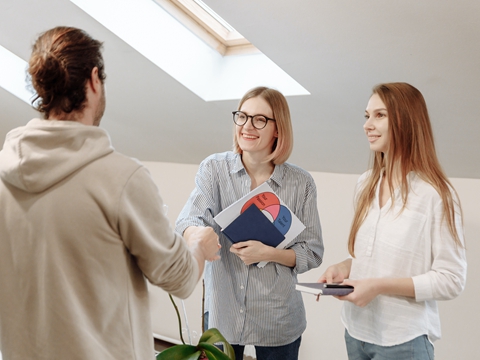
(402,232)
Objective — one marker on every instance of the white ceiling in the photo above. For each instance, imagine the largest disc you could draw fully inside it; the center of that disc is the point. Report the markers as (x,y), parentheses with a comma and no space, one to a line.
(336,49)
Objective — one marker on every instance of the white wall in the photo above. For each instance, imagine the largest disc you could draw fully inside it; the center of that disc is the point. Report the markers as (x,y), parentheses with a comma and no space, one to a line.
(324,334)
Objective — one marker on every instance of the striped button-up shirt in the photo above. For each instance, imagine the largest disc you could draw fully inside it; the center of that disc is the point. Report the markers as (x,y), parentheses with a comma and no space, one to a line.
(251,305)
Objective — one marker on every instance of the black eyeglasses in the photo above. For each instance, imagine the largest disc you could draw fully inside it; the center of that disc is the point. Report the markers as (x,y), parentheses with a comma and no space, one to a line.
(258,121)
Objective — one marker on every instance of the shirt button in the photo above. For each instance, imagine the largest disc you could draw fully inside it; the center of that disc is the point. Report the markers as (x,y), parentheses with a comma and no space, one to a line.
(241,287)
(241,311)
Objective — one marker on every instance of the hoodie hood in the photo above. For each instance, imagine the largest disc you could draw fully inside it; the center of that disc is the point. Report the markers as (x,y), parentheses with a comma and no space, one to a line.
(44,152)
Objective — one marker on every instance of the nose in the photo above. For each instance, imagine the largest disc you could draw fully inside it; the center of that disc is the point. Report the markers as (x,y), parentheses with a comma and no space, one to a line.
(368,124)
(249,117)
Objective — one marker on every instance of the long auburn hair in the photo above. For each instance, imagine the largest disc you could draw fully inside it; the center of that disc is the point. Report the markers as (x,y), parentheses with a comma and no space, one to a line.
(410,148)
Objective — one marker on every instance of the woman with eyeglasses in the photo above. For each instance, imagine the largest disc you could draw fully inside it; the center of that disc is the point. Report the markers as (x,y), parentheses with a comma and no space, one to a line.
(252,305)
(406,240)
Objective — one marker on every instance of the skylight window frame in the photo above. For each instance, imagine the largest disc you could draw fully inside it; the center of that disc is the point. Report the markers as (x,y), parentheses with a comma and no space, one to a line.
(204,24)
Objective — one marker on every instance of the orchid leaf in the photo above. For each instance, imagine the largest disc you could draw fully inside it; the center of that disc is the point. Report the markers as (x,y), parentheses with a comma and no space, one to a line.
(214,353)
(212,336)
(180,352)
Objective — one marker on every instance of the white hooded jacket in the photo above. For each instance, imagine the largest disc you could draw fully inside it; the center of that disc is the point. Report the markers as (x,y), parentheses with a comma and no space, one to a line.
(81,226)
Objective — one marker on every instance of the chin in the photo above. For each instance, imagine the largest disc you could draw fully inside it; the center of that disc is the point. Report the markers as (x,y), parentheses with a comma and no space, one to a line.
(378,148)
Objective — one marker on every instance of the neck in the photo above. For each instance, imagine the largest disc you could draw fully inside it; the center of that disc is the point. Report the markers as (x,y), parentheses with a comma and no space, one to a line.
(395,174)
(258,170)
(81,117)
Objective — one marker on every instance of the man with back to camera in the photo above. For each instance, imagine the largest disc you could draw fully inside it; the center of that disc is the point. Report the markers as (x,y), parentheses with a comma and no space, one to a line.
(81,225)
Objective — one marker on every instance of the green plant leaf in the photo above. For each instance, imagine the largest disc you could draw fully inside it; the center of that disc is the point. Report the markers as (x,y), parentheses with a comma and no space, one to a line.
(180,352)
(212,336)
(194,356)
(214,353)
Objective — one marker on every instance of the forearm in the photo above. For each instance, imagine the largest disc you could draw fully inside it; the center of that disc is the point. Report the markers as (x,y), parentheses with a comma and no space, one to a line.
(285,257)
(396,287)
(368,289)
(195,248)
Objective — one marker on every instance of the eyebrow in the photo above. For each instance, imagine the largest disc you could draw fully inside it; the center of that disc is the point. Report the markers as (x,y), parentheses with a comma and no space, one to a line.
(381,109)
(254,115)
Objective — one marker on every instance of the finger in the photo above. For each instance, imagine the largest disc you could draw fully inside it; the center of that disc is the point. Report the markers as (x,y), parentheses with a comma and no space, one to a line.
(239,245)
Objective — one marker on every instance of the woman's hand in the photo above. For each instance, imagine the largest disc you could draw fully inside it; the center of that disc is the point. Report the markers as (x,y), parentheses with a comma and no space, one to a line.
(336,273)
(368,289)
(365,291)
(251,251)
(333,274)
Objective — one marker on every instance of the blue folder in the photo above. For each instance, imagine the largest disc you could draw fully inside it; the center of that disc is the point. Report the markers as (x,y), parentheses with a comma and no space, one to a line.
(252,224)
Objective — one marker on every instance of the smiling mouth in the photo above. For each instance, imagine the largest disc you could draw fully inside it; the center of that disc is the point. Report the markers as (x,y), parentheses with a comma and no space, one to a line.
(250,137)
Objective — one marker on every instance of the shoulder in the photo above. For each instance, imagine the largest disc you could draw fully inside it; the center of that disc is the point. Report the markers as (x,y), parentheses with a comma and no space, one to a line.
(420,188)
(121,160)
(363,178)
(291,171)
(227,156)
(116,165)
(226,161)
(297,170)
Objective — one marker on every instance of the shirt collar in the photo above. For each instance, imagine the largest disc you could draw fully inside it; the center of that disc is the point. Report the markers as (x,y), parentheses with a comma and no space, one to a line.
(276,177)
(278,174)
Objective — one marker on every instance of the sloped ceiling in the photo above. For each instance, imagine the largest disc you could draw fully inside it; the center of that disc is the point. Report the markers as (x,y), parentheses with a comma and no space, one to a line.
(336,49)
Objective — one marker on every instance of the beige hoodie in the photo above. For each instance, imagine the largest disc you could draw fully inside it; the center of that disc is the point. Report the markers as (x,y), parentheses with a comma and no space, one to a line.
(81,226)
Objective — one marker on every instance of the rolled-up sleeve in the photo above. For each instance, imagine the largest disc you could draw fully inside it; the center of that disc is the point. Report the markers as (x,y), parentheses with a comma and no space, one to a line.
(446,278)
(199,209)
(308,245)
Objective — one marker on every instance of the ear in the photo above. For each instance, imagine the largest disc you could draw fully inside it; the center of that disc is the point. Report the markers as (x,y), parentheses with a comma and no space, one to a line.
(275,134)
(95,82)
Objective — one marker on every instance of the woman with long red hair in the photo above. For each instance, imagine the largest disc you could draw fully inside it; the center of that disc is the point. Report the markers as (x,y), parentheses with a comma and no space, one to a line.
(406,241)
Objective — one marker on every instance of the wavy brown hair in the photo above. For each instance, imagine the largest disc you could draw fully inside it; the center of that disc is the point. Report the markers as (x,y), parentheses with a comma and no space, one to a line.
(61,64)
(283,146)
(411,148)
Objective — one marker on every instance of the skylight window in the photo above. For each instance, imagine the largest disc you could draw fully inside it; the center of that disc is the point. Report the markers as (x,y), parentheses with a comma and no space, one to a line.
(13,75)
(163,39)
(210,27)
(214,15)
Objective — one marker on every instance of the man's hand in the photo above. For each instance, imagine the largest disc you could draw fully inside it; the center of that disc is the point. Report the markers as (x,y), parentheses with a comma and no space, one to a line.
(204,240)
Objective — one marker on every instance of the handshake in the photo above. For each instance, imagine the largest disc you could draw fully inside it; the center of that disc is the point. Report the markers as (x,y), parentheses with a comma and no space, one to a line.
(203,243)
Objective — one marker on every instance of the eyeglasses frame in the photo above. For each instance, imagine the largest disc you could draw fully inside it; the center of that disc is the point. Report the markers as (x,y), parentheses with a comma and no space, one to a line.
(251,116)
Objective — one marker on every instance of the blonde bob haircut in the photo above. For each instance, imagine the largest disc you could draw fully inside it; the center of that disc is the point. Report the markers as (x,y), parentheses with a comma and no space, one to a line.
(411,148)
(282,148)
